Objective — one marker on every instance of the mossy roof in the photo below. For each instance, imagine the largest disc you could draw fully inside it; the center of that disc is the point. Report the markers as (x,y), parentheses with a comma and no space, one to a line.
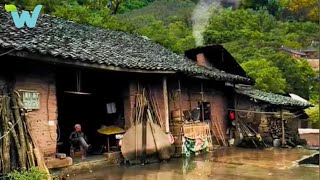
(272,98)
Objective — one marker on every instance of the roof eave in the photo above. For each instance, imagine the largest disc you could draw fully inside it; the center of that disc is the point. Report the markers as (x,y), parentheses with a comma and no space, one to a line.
(77,63)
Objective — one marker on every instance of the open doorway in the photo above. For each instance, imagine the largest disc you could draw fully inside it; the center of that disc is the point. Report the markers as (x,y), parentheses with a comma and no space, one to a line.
(99,103)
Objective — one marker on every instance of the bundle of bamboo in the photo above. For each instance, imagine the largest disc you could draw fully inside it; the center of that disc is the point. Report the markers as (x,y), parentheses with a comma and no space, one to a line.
(145,138)
(23,152)
(250,135)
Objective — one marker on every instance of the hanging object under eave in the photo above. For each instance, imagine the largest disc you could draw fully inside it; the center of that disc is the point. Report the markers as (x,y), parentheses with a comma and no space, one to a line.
(78,86)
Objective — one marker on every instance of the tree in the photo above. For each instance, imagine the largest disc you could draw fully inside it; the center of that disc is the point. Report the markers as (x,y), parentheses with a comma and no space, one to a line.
(114,5)
(253,4)
(298,74)
(268,77)
(305,9)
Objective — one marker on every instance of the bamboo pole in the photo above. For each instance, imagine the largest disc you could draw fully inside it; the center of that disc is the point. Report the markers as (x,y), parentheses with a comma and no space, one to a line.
(144,135)
(6,139)
(166,105)
(30,153)
(220,132)
(21,133)
(21,162)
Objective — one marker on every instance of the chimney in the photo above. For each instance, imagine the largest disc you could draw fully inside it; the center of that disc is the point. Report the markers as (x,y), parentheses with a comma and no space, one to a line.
(201,59)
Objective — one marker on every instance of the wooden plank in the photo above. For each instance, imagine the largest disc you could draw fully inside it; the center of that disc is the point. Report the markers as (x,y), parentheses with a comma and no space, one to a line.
(58,163)
(166,105)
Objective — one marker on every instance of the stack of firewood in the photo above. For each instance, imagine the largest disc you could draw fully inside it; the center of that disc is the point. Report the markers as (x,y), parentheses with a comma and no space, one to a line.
(18,149)
(275,126)
(264,128)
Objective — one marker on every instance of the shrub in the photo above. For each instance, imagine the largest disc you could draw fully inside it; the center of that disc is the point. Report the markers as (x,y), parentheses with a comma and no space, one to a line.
(31,174)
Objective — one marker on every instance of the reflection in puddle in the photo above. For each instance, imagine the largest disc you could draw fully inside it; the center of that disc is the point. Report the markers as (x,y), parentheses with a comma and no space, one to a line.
(222,164)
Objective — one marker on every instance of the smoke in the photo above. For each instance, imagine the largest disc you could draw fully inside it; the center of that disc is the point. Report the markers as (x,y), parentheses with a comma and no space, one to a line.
(202,13)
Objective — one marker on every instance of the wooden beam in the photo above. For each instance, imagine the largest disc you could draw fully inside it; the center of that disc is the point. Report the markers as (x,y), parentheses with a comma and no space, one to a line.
(166,105)
(77,63)
(282,125)
(180,100)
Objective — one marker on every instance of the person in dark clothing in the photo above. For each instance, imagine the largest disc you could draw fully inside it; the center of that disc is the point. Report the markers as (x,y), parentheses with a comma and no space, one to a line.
(78,139)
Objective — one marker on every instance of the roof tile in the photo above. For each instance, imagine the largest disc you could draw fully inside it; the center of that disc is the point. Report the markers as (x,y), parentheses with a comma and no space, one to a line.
(62,38)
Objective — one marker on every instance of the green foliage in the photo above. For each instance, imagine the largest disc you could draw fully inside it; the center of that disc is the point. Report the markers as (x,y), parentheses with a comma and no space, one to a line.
(252,35)
(31,174)
(129,5)
(268,77)
(175,35)
(314,117)
(165,10)
(298,73)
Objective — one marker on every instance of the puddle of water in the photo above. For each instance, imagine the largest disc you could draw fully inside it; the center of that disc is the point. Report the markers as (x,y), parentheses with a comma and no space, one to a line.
(222,164)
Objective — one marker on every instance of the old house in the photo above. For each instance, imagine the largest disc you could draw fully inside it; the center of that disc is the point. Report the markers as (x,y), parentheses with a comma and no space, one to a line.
(296,54)
(273,116)
(311,54)
(69,73)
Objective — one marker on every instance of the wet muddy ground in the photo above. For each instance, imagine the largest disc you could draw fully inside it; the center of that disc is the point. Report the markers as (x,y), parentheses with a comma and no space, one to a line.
(231,163)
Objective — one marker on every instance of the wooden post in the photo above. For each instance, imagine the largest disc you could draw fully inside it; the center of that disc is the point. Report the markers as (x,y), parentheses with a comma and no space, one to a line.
(108,144)
(166,105)
(144,135)
(202,99)
(6,138)
(180,101)
(237,132)
(282,125)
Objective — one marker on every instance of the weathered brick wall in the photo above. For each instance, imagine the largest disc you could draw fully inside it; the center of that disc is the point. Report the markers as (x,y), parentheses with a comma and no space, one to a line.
(190,96)
(311,138)
(43,121)
(129,104)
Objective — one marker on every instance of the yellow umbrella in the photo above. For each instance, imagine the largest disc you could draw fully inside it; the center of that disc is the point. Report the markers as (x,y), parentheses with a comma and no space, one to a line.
(110,130)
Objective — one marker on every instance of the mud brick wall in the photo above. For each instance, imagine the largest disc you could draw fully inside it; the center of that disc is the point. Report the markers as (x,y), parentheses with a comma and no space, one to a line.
(311,138)
(44,120)
(190,96)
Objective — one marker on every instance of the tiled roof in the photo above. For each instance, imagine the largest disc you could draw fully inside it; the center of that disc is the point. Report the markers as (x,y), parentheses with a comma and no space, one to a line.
(272,98)
(292,51)
(74,42)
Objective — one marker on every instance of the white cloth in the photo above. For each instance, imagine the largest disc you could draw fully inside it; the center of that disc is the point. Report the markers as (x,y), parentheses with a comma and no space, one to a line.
(111,108)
